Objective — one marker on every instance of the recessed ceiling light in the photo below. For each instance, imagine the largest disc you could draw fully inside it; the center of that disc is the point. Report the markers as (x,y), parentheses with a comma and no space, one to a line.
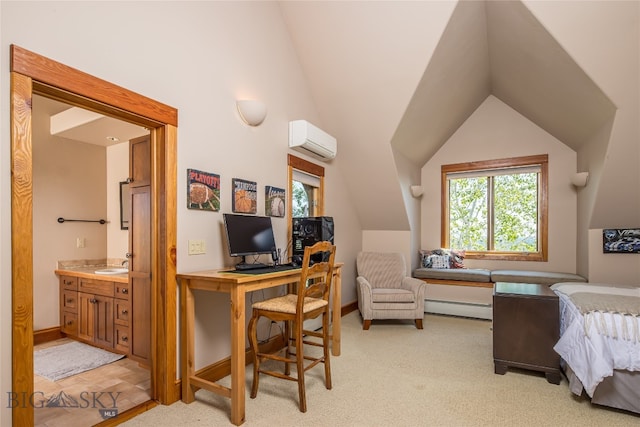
(113,139)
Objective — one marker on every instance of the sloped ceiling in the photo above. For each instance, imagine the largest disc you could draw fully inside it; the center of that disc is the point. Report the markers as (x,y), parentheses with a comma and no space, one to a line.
(500,48)
(485,48)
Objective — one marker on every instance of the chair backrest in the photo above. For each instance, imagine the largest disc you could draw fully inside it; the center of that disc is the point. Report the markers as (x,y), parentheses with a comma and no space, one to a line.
(321,273)
(382,269)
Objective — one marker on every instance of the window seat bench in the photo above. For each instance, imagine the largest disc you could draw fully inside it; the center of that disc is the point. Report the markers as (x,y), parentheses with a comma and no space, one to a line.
(468,292)
(483,278)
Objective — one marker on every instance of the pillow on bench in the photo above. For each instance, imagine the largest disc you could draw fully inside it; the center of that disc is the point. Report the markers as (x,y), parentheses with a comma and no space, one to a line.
(537,277)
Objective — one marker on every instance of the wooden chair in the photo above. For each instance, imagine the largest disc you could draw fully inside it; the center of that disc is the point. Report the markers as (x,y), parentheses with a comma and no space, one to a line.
(311,301)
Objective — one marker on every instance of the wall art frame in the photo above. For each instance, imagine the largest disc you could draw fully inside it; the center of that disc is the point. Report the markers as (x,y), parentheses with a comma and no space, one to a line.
(621,241)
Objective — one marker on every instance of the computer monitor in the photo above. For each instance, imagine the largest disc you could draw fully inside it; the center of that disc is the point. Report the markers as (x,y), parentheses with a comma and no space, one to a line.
(249,235)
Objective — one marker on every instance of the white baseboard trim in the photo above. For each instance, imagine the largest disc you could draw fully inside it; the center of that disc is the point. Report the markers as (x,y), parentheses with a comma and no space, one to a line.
(464,309)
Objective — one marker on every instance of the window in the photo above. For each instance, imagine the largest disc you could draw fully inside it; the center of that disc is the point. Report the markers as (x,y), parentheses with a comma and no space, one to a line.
(306,189)
(496,209)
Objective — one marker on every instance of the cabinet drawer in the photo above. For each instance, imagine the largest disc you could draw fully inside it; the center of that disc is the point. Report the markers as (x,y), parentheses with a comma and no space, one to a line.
(98,287)
(69,324)
(122,290)
(70,301)
(122,314)
(69,283)
(122,338)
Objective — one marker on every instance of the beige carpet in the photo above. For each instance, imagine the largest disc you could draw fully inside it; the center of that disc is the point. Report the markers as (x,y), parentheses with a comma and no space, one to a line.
(396,375)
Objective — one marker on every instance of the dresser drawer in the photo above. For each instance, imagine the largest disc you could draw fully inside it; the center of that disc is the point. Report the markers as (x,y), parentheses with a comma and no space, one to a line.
(122,338)
(122,290)
(69,301)
(97,287)
(69,283)
(123,310)
(69,324)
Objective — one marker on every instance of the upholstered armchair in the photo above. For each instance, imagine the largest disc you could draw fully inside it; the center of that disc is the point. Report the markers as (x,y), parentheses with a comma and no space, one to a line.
(385,291)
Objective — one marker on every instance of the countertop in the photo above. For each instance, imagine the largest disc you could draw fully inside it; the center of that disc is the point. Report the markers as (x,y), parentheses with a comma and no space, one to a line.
(87,269)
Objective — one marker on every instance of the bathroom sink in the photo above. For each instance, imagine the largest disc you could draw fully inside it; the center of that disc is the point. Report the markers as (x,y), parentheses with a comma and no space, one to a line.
(114,270)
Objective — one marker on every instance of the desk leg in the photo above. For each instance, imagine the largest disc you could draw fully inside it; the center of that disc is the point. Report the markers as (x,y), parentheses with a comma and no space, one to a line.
(337,312)
(187,338)
(238,338)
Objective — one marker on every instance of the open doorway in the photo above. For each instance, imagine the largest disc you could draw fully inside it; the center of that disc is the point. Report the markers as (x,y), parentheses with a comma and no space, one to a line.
(79,160)
(33,74)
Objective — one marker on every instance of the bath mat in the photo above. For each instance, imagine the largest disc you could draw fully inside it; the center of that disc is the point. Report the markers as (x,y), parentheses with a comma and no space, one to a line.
(65,360)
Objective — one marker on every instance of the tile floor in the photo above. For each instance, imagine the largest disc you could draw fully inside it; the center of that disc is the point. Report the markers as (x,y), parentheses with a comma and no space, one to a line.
(120,385)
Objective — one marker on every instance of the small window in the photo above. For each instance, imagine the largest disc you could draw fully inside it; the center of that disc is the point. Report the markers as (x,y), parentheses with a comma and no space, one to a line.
(496,209)
(306,190)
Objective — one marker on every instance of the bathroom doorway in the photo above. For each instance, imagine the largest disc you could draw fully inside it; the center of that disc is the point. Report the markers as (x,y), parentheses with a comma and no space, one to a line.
(34,74)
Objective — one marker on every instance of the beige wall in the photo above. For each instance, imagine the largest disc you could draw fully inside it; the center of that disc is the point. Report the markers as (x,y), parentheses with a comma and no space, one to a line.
(75,181)
(602,37)
(611,268)
(215,53)
(69,182)
(496,131)
(117,170)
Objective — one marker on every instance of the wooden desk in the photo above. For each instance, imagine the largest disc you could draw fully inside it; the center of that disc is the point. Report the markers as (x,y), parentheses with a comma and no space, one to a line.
(237,286)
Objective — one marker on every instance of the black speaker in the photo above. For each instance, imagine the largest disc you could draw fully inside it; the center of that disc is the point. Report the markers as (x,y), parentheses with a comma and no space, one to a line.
(308,231)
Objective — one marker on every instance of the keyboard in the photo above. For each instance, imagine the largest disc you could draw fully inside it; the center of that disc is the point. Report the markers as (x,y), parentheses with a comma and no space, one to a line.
(267,269)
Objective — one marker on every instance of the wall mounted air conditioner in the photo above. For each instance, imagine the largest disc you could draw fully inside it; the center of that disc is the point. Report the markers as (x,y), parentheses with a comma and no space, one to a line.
(308,139)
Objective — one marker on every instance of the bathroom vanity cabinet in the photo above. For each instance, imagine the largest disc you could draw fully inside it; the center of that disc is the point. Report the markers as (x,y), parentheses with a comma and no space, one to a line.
(96,311)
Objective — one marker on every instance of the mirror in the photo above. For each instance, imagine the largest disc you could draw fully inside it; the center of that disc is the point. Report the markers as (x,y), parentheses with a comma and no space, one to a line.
(125,209)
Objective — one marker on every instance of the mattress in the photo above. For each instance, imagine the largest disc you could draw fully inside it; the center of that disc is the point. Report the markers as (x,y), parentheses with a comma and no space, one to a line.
(596,343)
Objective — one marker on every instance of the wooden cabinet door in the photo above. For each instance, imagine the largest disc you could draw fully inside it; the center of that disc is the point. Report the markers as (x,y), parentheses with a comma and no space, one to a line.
(86,316)
(140,275)
(104,326)
(95,319)
(140,161)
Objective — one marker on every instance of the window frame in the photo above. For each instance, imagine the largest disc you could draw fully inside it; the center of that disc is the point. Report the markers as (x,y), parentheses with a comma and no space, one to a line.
(296,163)
(542,161)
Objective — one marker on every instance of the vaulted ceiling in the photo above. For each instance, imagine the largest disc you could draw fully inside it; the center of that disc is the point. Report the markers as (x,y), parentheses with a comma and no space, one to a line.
(500,48)
(415,71)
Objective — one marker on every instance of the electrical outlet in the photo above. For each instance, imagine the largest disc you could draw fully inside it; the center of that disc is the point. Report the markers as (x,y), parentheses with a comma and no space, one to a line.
(80,242)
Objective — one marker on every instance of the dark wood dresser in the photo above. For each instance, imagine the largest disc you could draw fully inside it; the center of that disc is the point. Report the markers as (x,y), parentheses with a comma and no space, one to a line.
(526,326)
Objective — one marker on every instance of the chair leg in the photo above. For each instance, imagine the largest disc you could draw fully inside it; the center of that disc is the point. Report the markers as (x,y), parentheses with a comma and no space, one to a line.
(366,324)
(253,341)
(325,345)
(419,323)
(287,338)
(300,366)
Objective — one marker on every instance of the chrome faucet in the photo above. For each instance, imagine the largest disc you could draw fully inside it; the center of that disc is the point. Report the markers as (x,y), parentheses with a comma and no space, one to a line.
(125,263)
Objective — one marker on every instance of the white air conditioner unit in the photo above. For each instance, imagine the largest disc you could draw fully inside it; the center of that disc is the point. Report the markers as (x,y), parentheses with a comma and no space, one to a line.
(308,139)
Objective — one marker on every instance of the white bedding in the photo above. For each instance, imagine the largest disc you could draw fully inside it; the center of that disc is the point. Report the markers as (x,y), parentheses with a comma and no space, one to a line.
(593,349)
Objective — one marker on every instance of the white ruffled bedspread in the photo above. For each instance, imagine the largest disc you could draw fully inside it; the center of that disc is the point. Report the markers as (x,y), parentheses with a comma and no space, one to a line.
(596,343)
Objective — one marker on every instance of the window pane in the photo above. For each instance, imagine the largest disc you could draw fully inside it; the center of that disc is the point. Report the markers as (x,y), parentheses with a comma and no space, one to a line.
(516,212)
(468,213)
(299,200)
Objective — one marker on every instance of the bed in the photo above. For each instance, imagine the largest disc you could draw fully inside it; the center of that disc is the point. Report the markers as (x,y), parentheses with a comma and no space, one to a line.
(600,342)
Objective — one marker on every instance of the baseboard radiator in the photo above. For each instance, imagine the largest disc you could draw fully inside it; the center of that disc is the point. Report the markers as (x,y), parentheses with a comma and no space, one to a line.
(457,308)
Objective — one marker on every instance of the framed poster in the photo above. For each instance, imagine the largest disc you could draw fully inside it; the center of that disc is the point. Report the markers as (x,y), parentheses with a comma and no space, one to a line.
(621,240)
(274,198)
(245,196)
(203,190)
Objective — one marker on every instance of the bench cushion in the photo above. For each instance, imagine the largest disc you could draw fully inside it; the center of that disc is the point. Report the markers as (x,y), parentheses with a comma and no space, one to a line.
(537,277)
(464,274)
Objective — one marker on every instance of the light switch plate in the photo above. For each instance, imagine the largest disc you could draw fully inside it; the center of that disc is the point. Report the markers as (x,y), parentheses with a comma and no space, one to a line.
(196,247)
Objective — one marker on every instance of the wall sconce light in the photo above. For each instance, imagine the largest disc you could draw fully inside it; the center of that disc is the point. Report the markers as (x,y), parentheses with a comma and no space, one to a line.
(251,111)
(580,179)
(416,191)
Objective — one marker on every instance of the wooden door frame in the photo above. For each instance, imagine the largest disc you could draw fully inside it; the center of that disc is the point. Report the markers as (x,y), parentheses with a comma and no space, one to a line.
(34,74)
